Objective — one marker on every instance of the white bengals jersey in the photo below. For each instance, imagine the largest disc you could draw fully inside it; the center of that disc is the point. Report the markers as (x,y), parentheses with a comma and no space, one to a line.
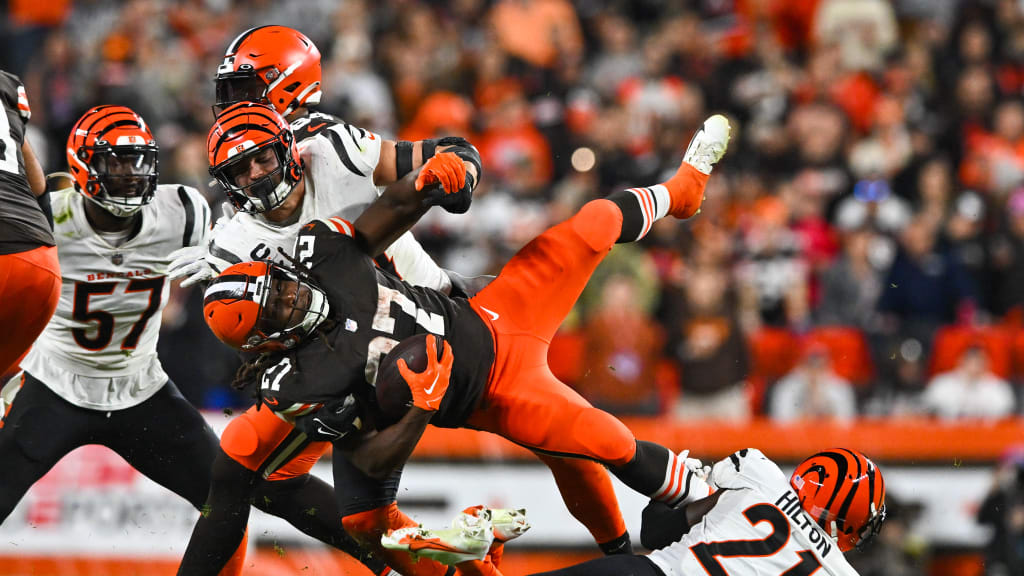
(757,528)
(99,349)
(338,164)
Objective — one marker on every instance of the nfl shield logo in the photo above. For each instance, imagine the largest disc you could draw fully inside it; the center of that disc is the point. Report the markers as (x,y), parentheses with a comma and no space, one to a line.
(117,259)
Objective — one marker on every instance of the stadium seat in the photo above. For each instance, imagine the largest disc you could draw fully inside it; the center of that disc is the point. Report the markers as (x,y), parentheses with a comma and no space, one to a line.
(848,350)
(773,353)
(951,341)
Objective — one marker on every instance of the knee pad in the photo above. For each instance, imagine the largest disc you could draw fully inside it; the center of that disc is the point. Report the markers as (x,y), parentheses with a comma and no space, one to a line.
(241,442)
(599,223)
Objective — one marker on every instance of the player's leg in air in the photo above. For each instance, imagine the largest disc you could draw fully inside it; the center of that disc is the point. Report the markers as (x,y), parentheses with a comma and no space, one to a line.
(263,462)
(535,291)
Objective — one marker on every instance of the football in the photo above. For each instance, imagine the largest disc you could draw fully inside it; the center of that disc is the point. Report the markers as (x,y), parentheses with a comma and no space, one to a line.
(393,395)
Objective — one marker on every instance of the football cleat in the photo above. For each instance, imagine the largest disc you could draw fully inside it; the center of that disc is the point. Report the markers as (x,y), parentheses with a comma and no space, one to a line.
(469,539)
(708,145)
(508,523)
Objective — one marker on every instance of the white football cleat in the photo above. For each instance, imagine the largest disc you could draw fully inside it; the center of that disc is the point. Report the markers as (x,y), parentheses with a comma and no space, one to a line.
(708,144)
(508,523)
(469,538)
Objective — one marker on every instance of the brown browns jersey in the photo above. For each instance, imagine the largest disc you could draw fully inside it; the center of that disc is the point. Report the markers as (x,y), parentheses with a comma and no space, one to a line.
(371,311)
(23,225)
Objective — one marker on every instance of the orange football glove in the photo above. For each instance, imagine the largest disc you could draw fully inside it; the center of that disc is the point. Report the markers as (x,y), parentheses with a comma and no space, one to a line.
(446,169)
(428,387)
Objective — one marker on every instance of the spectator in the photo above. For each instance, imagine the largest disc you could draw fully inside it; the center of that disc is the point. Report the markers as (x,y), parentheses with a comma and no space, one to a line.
(1008,257)
(812,391)
(865,31)
(970,390)
(709,349)
(851,285)
(1003,511)
(623,345)
(896,552)
(965,234)
(925,287)
(772,273)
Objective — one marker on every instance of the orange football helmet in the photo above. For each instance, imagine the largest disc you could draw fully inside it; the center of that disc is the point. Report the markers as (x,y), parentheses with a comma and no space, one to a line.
(113,159)
(844,492)
(263,307)
(242,134)
(273,65)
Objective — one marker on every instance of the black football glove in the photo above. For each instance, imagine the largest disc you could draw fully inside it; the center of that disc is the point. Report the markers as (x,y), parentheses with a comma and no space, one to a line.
(333,421)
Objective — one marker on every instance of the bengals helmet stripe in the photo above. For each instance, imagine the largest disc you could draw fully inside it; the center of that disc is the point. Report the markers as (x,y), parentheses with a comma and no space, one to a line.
(241,132)
(844,492)
(113,159)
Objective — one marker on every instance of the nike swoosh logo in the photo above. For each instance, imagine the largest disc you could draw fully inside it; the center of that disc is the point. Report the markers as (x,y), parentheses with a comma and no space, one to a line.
(271,401)
(432,384)
(313,128)
(326,432)
(494,315)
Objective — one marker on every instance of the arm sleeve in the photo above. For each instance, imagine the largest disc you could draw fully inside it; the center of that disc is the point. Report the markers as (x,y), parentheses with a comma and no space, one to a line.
(415,266)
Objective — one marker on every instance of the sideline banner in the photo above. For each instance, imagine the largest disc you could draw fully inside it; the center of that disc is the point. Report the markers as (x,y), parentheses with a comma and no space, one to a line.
(93,503)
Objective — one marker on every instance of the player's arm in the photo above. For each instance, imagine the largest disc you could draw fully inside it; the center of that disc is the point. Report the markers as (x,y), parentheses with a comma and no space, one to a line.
(397,159)
(663,525)
(33,170)
(402,157)
(379,454)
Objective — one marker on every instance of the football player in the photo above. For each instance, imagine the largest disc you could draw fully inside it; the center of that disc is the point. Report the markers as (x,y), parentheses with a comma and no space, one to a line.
(93,376)
(756,522)
(94,369)
(323,326)
(316,168)
(279,66)
(29,270)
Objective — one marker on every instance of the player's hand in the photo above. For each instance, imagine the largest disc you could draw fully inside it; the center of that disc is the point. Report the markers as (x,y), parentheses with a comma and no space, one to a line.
(428,387)
(446,183)
(694,465)
(333,421)
(190,263)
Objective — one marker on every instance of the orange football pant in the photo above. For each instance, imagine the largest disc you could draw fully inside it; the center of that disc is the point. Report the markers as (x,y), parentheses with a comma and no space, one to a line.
(29,292)
(524,402)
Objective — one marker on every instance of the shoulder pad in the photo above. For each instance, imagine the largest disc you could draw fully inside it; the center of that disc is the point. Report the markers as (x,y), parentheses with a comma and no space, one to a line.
(747,468)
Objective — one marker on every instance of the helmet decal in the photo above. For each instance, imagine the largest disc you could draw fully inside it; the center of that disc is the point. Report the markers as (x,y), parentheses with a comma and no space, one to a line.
(113,159)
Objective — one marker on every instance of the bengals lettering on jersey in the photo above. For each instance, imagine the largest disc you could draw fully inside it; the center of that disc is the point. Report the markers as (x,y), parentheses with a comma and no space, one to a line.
(99,349)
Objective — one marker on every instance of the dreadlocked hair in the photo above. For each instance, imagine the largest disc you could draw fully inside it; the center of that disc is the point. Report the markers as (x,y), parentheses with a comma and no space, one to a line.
(249,372)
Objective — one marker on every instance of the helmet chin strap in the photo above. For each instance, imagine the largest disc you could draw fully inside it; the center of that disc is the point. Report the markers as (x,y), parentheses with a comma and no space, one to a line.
(115,210)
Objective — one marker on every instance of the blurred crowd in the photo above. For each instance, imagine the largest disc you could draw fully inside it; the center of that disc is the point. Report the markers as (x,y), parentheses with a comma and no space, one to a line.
(861,247)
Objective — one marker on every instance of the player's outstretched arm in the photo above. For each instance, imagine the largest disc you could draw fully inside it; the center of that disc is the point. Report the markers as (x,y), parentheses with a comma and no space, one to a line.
(390,215)
(400,158)
(442,180)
